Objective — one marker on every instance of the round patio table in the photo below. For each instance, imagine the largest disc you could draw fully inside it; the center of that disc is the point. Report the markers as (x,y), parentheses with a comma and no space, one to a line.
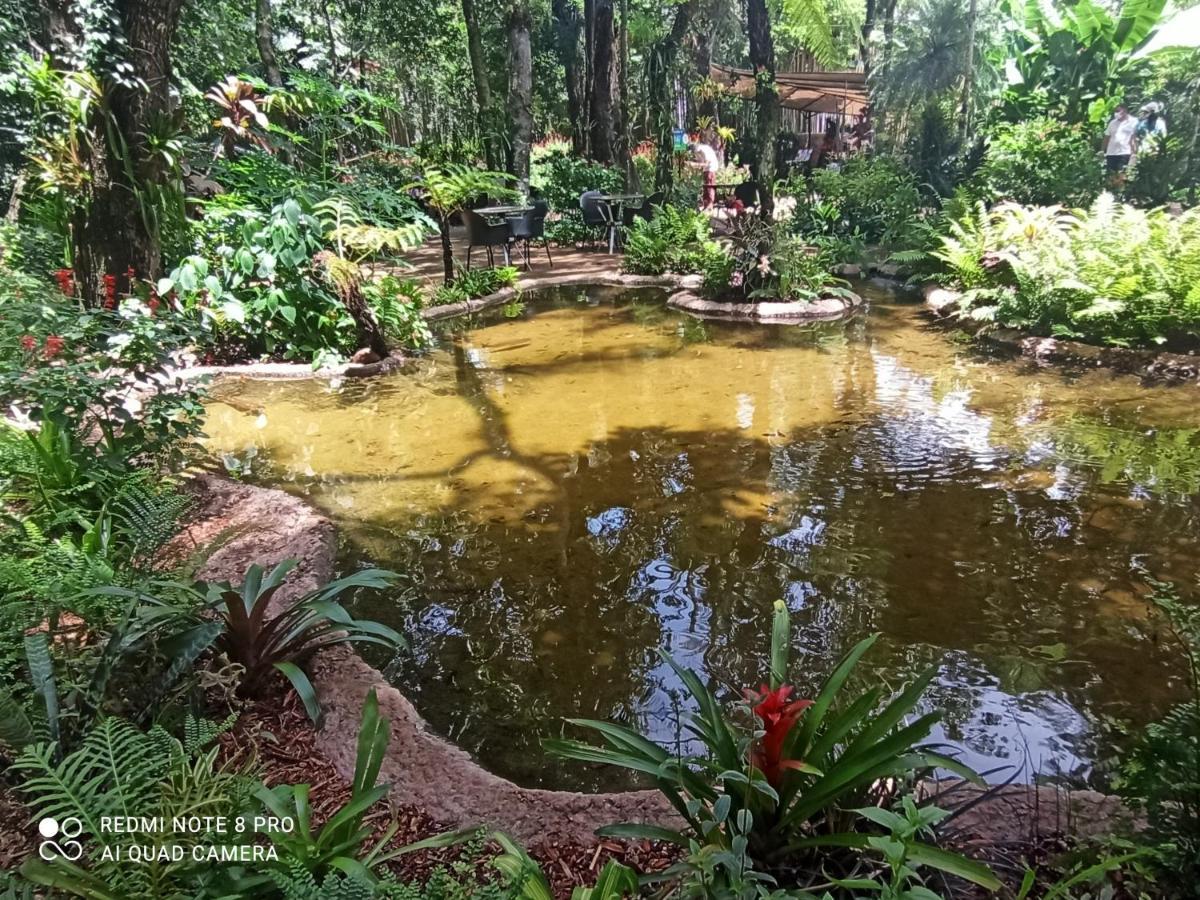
(618,201)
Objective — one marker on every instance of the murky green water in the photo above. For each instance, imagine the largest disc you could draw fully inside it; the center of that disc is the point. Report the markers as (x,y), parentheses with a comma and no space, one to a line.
(569,489)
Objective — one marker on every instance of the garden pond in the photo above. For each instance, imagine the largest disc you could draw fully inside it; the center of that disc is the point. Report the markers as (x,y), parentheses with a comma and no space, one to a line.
(567,484)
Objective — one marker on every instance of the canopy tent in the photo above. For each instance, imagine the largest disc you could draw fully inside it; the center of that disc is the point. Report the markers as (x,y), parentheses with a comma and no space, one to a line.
(833,93)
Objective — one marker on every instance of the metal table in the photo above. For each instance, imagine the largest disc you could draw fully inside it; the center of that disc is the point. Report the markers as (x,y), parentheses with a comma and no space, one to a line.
(619,201)
(499,211)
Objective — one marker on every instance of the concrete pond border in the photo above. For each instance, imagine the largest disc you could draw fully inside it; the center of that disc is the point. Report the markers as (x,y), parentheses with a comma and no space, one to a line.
(424,770)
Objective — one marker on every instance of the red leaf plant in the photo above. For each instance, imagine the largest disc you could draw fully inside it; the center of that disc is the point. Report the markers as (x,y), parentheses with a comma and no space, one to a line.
(778,715)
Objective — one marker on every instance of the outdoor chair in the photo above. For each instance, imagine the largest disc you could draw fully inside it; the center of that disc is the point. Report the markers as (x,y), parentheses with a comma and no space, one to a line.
(645,211)
(482,233)
(747,192)
(598,214)
(531,227)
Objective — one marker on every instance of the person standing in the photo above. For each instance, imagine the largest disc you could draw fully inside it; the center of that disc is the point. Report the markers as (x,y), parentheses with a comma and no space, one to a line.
(1120,144)
(709,163)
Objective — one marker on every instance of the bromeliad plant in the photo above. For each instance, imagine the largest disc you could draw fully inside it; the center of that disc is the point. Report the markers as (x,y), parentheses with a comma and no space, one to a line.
(263,640)
(778,773)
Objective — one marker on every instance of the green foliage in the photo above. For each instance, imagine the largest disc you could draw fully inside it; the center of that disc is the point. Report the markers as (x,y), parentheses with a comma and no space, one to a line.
(674,239)
(775,771)
(1071,56)
(1115,274)
(471,283)
(569,228)
(761,260)
(262,290)
(397,306)
(120,770)
(561,177)
(1160,775)
(263,641)
(871,196)
(1041,161)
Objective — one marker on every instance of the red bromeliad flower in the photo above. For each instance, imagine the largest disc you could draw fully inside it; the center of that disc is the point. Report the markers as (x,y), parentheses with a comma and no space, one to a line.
(54,346)
(66,281)
(28,343)
(153,303)
(778,716)
(110,291)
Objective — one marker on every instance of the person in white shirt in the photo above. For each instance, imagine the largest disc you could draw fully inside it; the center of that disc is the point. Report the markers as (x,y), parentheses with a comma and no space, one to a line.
(1120,143)
(708,161)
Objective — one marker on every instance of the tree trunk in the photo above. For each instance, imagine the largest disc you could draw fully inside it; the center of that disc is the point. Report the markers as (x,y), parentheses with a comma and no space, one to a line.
(520,91)
(766,97)
(483,90)
(662,95)
(447,250)
(264,34)
(568,30)
(117,231)
(602,120)
(624,149)
(864,45)
(964,121)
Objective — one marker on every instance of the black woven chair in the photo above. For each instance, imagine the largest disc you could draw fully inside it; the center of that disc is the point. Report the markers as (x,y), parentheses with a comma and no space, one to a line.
(747,192)
(598,214)
(646,211)
(531,227)
(482,233)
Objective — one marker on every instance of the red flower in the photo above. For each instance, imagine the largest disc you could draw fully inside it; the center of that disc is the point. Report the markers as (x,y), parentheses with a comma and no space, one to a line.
(778,716)
(54,346)
(154,303)
(130,273)
(110,291)
(28,343)
(66,281)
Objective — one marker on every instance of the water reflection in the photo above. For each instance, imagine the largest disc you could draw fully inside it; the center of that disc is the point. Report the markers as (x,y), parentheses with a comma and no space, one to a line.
(568,490)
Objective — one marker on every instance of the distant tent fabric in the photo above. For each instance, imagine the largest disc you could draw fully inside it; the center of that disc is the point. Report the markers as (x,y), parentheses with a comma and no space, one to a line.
(834,93)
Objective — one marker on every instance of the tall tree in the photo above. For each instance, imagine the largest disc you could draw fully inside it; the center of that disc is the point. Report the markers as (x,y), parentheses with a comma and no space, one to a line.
(568,32)
(624,148)
(660,68)
(603,122)
(117,229)
(964,121)
(520,91)
(483,90)
(766,96)
(264,36)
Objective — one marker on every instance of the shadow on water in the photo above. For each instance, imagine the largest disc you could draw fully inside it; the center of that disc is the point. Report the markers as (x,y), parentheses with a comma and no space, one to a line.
(567,490)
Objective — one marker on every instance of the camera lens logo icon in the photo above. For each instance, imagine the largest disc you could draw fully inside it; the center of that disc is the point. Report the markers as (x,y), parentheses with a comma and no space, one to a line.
(60,839)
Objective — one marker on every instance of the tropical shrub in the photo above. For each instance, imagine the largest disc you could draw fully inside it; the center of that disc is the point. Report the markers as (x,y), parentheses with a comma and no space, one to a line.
(1160,775)
(1041,161)
(779,779)
(560,177)
(397,305)
(1115,274)
(471,283)
(569,228)
(674,239)
(258,639)
(760,259)
(875,197)
(120,769)
(262,292)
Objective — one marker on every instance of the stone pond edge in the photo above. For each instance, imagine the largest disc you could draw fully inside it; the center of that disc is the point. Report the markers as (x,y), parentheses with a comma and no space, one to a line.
(1152,365)
(424,770)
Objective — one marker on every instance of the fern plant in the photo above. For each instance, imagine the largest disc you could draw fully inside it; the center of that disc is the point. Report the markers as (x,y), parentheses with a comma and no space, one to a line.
(120,770)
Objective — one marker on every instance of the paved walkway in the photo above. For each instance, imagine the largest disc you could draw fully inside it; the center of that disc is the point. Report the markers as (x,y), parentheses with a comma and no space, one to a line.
(427,259)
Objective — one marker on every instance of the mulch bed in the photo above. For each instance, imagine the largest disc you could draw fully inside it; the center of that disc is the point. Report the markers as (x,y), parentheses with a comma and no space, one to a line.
(277,735)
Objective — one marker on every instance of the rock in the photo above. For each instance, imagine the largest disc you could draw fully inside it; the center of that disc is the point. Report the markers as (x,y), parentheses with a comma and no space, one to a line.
(364,355)
(848,270)
(939,300)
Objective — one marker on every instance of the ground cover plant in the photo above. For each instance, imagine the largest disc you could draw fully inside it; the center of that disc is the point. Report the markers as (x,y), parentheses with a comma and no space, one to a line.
(1113,274)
